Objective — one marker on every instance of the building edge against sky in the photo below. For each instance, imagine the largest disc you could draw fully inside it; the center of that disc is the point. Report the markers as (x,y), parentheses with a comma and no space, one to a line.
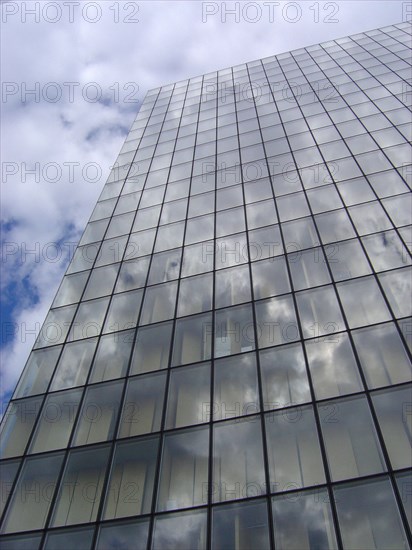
(227,361)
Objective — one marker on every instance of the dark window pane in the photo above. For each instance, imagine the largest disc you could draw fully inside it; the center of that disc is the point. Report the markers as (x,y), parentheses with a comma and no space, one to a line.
(293,448)
(81,487)
(369,517)
(184,470)
(237,460)
(189,396)
(151,351)
(393,411)
(352,446)
(28,509)
(123,535)
(142,408)
(242,525)
(178,531)
(382,355)
(303,520)
(130,487)
(72,539)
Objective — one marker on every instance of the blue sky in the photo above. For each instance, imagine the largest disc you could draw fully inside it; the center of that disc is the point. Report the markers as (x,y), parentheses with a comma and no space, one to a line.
(73,77)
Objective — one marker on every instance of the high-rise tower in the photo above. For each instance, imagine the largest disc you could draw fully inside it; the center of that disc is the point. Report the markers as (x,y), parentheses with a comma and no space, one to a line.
(226,363)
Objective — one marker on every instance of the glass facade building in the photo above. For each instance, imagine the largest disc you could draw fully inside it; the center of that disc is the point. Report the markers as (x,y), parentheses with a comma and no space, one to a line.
(227,362)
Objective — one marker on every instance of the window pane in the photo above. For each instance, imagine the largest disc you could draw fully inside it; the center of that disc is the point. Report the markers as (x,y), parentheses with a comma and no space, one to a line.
(200,229)
(112,356)
(276,321)
(232,286)
(99,413)
(69,539)
(300,234)
(292,206)
(382,355)
(55,327)
(399,209)
(139,244)
(319,312)
(303,521)
(323,199)
(293,448)
(243,525)
(165,266)
(333,367)
(38,371)
(334,226)
(143,405)
(403,481)
(56,421)
(111,251)
(386,251)
(159,303)
(369,517)
(28,509)
(230,251)
(397,286)
(22,542)
(101,281)
(169,236)
(236,389)
(184,469)
(263,243)
(308,268)
(74,364)
(230,221)
(178,531)
(270,277)
(198,258)
(369,218)
(260,214)
(238,470)
(132,274)
(89,319)
(123,311)
(130,486)
(195,294)
(146,217)
(347,260)
(84,475)
(351,442)
(189,396)
(234,330)
(192,340)
(393,411)
(152,347)
(363,302)
(123,535)
(71,289)
(8,471)
(17,425)
(284,379)
(83,258)
(94,231)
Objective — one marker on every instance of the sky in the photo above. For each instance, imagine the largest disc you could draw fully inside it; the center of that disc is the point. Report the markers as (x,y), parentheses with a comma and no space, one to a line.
(74,74)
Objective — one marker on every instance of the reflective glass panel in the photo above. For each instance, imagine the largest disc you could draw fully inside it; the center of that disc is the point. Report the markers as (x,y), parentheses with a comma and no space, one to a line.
(240,525)
(303,520)
(293,449)
(184,469)
(237,460)
(369,517)
(352,446)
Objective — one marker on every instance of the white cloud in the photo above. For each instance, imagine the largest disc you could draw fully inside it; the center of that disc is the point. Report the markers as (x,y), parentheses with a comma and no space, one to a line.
(168,43)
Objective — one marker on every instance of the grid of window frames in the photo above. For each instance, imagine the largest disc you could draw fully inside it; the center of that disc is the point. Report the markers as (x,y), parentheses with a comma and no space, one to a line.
(226,363)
